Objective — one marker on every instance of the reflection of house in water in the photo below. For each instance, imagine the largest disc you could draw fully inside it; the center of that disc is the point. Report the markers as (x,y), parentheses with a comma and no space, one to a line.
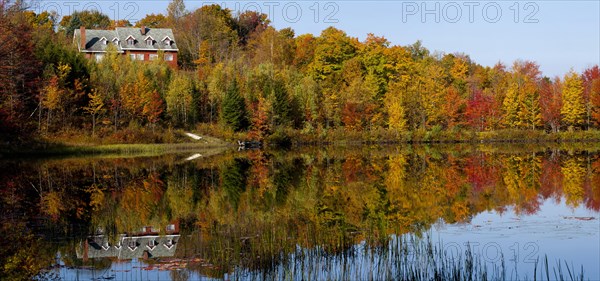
(147,243)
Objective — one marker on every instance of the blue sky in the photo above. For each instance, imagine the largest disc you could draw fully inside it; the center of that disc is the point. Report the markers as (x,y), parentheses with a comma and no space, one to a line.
(558,35)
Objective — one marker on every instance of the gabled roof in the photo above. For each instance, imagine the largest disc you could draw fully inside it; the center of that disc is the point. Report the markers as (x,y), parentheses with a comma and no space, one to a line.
(93,38)
(141,38)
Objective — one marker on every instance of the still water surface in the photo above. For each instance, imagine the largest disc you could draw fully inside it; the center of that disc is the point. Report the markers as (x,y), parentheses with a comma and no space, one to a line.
(312,213)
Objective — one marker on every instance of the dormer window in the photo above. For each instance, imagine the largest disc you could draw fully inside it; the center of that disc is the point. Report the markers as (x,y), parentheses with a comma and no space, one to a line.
(167,41)
(149,41)
(104,41)
(115,41)
(130,40)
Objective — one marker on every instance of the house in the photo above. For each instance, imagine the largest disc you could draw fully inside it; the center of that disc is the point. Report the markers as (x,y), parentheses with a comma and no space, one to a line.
(142,44)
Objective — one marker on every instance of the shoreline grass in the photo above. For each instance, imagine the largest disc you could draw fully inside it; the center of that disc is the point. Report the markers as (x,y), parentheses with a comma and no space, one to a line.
(108,150)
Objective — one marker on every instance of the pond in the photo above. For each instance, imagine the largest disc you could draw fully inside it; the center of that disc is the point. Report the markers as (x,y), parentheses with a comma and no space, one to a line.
(520,211)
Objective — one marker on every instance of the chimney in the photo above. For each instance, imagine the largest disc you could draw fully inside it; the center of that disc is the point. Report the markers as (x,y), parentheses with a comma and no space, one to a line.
(143,30)
(82,35)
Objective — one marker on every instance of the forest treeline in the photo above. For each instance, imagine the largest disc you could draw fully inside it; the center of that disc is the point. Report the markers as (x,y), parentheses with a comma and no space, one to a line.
(237,73)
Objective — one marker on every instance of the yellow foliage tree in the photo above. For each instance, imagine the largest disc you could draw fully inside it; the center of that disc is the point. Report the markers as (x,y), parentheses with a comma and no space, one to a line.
(573,108)
(95,107)
(395,109)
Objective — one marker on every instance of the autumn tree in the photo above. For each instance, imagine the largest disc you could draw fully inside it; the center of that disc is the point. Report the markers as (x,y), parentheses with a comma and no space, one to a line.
(454,107)
(89,19)
(51,98)
(140,99)
(403,100)
(521,104)
(260,123)
(179,99)
(19,72)
(358,96)
(304,51)
(212,24)
(496,84)
(272,46)
(44,20)
(573,107)
(95,108)
(250,23)
(153,107)
(591,91)
(551,102)
(478,110)
(433,93)
(153,21)
(373,54)
(394,106)
(595,100)
(333,48)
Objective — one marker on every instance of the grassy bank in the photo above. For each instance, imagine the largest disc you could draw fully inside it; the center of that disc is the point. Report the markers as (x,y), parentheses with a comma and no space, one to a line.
(137,143)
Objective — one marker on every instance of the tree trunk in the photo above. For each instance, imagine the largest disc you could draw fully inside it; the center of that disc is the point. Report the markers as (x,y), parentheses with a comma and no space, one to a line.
(93,125)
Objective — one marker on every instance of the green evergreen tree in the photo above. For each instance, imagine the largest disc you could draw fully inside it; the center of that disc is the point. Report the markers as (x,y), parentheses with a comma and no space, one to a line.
(234,111)
(281,104)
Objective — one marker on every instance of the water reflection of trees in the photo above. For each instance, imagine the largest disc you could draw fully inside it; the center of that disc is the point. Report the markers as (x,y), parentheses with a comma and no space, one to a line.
(249,208)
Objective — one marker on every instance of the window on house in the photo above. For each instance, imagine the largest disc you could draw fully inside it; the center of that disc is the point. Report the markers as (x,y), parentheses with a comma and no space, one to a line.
(171,227)
(99,57)
(140,56)
(153,56)
(167,42)
(149,42)
(132,56)
(169,57)
(130,41)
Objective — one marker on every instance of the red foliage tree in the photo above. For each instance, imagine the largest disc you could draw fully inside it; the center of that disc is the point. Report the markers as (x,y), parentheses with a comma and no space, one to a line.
(478,109)
(551,102)
(591,92)
(591,89)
